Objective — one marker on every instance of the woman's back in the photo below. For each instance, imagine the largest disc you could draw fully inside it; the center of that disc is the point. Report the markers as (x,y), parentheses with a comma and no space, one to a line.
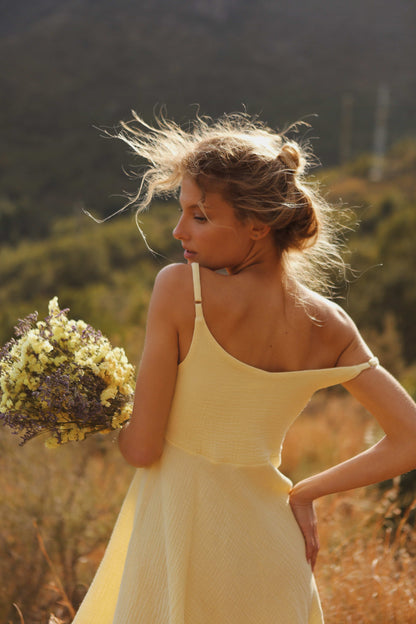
(263,323)
(232,411)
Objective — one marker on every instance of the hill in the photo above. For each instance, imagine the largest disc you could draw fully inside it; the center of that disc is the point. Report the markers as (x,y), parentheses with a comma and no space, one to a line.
(69,65)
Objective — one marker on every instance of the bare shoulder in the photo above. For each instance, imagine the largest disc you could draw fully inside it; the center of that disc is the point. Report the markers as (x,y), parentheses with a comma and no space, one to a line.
(173,276)
(173,292)
(174,282)
(337,331)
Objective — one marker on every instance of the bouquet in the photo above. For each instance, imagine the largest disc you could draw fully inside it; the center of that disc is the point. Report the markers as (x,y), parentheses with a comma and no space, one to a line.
(63,378)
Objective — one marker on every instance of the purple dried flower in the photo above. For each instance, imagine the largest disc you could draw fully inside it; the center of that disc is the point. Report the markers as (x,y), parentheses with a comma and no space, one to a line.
(24,325)
(60,394)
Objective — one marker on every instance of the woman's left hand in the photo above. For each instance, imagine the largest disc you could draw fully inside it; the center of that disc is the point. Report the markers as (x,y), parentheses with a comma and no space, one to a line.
(304,512)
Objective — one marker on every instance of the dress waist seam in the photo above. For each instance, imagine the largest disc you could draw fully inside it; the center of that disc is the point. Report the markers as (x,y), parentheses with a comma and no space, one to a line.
(212,460)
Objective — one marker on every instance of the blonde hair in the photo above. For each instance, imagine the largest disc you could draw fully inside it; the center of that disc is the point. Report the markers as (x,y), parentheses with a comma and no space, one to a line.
(259,171)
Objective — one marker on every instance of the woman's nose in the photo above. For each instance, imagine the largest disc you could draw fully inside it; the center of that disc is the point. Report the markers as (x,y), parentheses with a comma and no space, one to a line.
(178,231)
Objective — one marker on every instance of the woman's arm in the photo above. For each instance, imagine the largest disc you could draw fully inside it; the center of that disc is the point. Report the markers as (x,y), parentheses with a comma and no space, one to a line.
(141,440)
(395,454)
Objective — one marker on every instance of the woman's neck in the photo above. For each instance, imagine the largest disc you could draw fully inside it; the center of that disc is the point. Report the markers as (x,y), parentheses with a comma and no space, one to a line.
(262,257)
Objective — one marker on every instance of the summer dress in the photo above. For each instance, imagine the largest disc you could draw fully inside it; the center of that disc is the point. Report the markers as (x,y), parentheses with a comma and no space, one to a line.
(206,534)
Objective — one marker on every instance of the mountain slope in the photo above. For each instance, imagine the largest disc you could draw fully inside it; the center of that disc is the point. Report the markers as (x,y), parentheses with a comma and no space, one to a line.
(68,65)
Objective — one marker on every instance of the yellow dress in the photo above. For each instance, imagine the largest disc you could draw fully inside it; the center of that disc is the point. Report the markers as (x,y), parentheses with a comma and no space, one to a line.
(206,534)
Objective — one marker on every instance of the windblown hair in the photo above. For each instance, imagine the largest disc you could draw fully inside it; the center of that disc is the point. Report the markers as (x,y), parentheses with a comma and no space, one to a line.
(259,171)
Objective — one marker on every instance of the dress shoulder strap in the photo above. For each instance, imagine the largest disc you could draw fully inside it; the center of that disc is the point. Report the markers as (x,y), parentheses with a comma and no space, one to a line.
(197,287)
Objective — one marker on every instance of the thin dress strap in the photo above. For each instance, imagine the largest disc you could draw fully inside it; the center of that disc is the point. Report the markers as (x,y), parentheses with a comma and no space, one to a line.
(197,288)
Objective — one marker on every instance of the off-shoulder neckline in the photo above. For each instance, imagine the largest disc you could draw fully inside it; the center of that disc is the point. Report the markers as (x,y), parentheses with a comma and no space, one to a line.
(370,363)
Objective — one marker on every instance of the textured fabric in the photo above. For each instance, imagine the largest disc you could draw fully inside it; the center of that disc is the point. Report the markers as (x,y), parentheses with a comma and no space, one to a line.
(206,534)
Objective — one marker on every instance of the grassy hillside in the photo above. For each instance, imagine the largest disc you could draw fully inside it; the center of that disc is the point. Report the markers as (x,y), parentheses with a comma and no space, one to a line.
(381,294)
(103,273)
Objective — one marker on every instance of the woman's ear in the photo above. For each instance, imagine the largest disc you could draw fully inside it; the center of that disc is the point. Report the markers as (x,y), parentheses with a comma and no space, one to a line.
(259,229)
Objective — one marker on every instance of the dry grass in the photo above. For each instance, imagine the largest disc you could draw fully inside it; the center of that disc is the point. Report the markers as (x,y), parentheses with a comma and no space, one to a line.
(365,574)
(59,505)
(366,569)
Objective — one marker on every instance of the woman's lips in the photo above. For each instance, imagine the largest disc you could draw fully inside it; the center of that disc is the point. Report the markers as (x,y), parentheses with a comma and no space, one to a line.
(189,254)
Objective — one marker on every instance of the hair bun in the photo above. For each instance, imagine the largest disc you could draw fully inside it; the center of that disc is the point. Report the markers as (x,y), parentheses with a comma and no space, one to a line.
(290,157)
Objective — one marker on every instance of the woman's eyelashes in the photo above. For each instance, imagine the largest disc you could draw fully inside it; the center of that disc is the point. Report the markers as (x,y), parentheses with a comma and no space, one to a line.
(197,215)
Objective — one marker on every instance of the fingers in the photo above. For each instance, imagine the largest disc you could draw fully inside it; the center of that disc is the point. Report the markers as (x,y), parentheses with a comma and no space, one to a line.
(310,535)
(305,516)
(312,549)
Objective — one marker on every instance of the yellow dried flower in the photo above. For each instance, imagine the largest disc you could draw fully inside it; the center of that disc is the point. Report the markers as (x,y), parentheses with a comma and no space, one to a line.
(63,377)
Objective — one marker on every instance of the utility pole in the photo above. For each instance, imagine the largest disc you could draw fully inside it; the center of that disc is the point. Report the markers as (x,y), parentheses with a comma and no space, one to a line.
(380,133)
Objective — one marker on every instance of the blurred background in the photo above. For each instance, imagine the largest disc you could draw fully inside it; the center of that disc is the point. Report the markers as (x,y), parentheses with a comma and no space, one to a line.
(69,68)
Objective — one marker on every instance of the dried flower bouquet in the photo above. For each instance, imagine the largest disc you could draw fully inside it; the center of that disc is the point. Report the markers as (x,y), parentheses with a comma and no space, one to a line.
(63,378)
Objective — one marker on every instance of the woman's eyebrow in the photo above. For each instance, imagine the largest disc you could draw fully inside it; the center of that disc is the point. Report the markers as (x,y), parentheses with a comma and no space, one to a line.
(194,205)
(199,204)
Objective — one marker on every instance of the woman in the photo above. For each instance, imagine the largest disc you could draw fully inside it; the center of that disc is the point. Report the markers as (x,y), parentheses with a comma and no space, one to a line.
(210,530)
